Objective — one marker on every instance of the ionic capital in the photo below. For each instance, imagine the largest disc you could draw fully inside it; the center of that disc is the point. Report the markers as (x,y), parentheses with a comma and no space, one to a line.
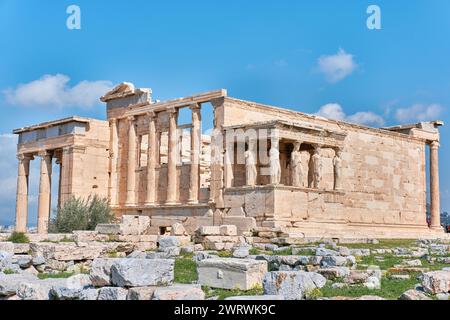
(435,145)
(195,107)
(172,111)
(44,154)
(151,115)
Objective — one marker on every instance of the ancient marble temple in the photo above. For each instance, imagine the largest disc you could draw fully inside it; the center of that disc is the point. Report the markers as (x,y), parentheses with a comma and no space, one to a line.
(261,166)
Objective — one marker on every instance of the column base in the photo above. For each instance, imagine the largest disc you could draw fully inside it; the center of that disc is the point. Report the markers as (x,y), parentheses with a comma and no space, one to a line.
(130,205)
(171,203)
(150,204)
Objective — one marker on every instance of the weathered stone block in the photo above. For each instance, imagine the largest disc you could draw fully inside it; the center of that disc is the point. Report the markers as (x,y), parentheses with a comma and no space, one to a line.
(101,272)
(106,228)
(292,285)
(142,272)
(179,292)
(231,273)
(228,230)
(112,293)
(436,282)
(141,293)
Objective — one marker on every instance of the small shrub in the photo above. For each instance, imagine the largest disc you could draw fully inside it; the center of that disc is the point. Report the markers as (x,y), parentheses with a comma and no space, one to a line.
(80,214)
(8,271)
(19,237)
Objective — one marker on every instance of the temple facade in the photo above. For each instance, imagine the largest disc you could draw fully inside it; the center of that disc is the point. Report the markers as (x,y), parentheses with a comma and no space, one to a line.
(260,167)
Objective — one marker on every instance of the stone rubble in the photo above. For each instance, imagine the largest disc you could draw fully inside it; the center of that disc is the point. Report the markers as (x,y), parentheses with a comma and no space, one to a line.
(127,265)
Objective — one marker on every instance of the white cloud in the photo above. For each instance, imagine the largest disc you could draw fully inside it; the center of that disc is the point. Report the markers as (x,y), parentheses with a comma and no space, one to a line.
(337,67)
(54,91)
(419,112)
(335,111)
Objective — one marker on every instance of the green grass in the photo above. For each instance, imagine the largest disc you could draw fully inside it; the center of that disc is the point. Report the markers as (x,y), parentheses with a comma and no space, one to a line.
(224,293)
(382,244)
(254,251)
(433,266)
(225,254)
(284,252)
(185,270)
(390,289)
(18,237)
(59,275)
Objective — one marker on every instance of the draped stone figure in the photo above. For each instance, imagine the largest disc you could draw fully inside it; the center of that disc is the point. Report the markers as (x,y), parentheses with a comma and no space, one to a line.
(337,164)
(296,166)
(275,166)
(317,168)
(250,168)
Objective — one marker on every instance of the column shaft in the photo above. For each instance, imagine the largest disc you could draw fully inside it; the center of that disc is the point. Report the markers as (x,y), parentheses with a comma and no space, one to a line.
(131,172)
(114,150)
(435,207)
(44,192)
(172,158)
(151,160)
(196,136)
(22,193)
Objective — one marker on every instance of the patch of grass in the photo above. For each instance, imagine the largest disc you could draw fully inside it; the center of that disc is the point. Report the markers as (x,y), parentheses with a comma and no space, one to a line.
(254,251)
(382,244)
(224,254)
(388,261)
(8,271)
(433,266)
(224,293)
(113,254)
(18,237)
(390,289)
(185,270)
(283,252)
(59,275)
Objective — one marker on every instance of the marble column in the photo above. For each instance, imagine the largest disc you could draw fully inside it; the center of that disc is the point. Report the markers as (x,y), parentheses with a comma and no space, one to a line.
(22,192)
(44,203)
(131,163)
(114,153)
(172,186)
(196,136)
(435,207)
(151,160)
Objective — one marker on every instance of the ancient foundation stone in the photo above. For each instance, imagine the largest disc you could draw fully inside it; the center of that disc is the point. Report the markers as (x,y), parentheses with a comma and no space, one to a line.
(292,285)
(436,282)
(179,292)
(142,272)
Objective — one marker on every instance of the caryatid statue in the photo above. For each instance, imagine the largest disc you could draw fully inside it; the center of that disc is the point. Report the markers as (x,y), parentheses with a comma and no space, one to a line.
(296,166)
(317,167)
(337,164)
(250,167)
(275,166)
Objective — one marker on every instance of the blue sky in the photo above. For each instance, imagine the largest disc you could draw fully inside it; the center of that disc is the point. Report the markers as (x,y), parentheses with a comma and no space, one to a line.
(311,56)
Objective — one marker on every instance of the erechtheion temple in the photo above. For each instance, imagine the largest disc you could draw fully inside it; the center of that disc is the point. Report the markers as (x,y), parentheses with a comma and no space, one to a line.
(260,167)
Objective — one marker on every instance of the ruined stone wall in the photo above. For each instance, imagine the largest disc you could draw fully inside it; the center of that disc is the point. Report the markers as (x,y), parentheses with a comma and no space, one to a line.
(89,165)
(383,172)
